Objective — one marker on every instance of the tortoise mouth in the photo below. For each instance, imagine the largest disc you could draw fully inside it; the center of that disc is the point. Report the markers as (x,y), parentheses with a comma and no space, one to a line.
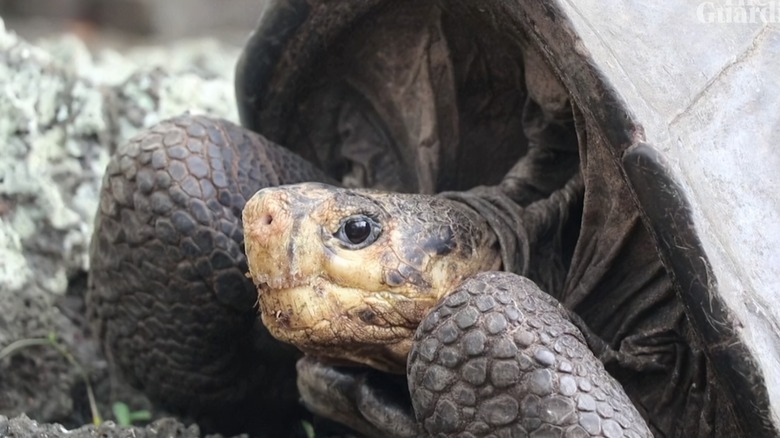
(331,321)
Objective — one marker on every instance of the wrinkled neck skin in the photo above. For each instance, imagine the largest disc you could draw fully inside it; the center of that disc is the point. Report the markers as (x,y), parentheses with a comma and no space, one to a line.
(531,240)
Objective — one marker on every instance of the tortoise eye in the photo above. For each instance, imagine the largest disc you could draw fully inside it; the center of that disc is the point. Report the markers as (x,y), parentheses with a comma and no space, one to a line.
(358,231)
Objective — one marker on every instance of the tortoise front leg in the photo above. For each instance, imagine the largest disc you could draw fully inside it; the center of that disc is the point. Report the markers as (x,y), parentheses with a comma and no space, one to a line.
(501,356)
(168,294)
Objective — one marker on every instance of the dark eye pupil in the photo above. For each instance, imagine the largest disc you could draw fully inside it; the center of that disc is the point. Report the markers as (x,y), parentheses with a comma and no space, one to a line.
(357,230)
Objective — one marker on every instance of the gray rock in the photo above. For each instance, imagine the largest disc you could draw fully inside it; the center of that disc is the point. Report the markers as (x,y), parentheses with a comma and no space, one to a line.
(63,111)
(23,427)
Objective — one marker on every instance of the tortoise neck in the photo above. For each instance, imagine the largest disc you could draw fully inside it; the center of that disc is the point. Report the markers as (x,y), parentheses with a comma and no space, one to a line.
(505,218)
(533,240)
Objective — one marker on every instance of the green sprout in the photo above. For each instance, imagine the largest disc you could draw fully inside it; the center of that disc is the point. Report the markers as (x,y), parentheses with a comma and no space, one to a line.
(125,417)
(308,429)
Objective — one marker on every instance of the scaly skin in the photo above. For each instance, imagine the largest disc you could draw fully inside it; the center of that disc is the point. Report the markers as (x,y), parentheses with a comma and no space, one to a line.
(499,356)
(168,293)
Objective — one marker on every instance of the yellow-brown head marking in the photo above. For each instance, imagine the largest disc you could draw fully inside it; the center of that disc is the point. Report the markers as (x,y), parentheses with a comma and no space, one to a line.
(349,274)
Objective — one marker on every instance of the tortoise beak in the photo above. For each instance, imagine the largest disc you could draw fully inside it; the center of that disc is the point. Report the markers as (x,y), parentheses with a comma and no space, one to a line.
(277,223)
(264,219)
(267,238)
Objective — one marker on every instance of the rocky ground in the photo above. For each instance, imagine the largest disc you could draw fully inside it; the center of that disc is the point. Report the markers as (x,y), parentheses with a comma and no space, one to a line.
(22,426)
(63,110)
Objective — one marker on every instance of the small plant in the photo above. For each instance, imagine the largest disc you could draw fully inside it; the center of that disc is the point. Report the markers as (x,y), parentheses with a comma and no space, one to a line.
(308,429)
(52,341)
(125,417)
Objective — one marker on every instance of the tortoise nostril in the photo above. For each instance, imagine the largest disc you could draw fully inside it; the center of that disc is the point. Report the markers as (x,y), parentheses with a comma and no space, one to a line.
(267,219)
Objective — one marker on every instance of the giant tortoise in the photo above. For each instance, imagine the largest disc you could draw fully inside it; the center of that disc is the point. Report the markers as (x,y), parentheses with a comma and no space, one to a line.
(614,156)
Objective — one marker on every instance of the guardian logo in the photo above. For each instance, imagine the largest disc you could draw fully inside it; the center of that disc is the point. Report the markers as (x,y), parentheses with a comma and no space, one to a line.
(739,11)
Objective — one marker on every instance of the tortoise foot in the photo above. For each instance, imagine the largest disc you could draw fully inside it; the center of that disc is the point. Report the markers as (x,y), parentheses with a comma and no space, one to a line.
(500,356)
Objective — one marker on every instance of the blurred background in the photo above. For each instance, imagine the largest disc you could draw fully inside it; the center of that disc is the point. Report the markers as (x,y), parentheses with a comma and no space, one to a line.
(121,23)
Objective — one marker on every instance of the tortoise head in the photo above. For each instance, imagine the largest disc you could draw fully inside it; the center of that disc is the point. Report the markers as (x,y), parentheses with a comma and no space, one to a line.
(349,274)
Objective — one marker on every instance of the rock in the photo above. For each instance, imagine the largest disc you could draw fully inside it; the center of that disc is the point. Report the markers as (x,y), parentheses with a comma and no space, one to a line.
(23,427)
(62,112)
